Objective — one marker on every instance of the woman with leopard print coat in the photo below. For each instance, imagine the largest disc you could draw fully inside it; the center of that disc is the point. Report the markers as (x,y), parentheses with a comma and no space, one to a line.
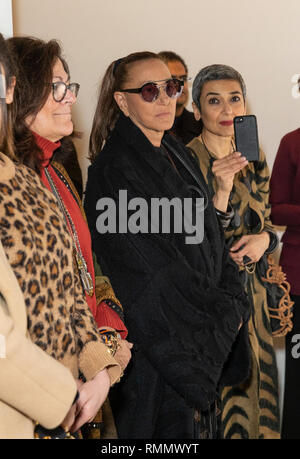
(39,250)
(31,381)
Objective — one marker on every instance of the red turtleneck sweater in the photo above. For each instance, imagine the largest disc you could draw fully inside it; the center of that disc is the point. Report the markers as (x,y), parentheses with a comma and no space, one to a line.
(103,314)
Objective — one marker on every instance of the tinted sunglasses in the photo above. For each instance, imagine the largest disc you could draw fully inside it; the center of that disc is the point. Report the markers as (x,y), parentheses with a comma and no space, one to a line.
(150,91)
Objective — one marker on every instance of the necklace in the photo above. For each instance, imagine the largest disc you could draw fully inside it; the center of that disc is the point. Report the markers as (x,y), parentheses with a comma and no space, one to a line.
(86,278)
(209,153)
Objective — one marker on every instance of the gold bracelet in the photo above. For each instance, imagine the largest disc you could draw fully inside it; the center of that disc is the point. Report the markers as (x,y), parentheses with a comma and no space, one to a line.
(111,340)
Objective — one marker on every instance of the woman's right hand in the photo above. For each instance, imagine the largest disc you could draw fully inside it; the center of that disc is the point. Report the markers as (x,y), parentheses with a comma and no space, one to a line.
(224,170)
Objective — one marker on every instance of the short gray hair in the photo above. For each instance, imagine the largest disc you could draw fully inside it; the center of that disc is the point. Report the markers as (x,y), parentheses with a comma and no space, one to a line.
(215,72)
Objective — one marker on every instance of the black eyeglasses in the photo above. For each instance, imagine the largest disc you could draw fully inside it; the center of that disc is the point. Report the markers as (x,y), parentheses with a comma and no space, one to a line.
(150,91)
(59,90)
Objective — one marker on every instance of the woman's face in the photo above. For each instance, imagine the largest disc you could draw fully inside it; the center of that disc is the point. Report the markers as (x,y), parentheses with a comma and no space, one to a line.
(153,118)
(54,120)
(220,102)
(178,71)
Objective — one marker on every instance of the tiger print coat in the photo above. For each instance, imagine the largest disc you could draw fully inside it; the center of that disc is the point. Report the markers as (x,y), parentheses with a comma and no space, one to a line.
(250,410)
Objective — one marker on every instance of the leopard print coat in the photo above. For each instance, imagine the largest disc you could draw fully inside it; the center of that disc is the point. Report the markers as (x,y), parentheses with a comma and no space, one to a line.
(39,249)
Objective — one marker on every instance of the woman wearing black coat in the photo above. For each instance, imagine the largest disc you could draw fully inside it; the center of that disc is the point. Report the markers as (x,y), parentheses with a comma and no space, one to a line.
(184,306)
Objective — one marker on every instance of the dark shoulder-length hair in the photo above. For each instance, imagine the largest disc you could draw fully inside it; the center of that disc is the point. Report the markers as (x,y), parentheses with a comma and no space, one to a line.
(35,59)
(7,72)
(107,110)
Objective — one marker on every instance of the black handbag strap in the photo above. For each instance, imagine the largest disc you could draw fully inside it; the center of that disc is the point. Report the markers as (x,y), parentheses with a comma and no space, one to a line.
(188,167)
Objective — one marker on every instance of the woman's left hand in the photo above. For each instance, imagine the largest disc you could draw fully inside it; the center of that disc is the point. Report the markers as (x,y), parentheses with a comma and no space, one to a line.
(92,395)
(253,246)
(123,354)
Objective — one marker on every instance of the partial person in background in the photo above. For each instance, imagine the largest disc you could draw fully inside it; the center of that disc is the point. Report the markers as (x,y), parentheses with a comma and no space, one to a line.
(240,191)
(185,126)
(44,100)
(55,317)
(285,202)
(34,387)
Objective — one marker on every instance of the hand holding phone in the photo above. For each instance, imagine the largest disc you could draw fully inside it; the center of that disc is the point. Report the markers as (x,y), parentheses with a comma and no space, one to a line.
(246,136)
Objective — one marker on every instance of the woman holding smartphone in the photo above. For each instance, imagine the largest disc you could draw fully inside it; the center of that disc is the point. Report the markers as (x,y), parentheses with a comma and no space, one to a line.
(240,191)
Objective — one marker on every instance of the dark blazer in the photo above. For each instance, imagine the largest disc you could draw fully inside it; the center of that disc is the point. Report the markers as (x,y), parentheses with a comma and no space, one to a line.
(183,303)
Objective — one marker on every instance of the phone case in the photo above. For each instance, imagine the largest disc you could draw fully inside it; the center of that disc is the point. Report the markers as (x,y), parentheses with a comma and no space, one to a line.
(246,136)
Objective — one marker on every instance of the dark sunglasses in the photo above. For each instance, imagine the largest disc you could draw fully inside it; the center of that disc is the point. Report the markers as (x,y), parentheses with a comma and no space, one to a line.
(150,91)
(59,90)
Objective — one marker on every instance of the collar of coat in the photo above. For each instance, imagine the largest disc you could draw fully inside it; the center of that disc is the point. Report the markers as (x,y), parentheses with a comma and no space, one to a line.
(137,141)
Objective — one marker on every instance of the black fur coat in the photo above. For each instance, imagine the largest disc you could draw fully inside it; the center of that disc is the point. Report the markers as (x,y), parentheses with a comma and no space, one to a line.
(183,303)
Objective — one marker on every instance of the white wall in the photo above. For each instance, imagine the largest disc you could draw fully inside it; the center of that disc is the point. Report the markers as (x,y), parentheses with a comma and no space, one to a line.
(6,25)
(258,38)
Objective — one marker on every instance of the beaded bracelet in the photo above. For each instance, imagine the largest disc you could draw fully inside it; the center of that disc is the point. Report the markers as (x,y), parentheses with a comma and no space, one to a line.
(225,217)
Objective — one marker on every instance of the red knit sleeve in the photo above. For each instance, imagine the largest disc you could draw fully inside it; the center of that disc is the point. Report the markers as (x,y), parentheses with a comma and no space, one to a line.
(284,210)
(106,317)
